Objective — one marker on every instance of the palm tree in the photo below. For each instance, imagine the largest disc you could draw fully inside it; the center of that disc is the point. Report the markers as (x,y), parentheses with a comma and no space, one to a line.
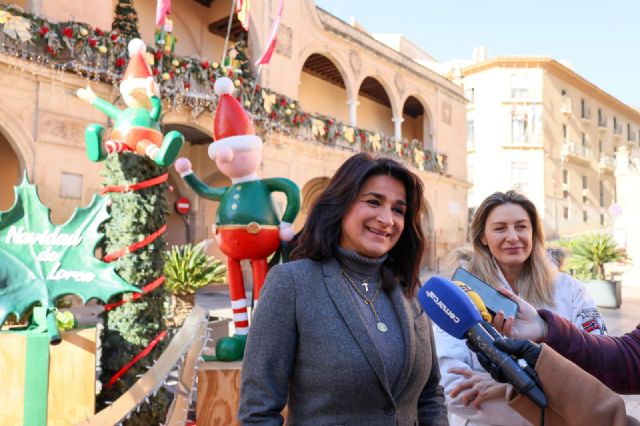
(188,268)
(589,254)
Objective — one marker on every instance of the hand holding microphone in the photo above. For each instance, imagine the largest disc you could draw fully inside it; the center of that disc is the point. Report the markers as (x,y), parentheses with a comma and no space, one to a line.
(452,310)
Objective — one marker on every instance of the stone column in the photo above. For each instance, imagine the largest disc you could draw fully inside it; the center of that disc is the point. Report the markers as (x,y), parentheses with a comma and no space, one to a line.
(397,127)
(353,107)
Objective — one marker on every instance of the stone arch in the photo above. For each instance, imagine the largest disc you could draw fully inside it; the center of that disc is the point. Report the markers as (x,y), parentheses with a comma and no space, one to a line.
(324,85)
(10,169)
(19,139)
(375,104)
(418,120)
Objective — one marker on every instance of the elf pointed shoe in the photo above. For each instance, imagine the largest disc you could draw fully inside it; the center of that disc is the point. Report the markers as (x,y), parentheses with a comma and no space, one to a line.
(93,142)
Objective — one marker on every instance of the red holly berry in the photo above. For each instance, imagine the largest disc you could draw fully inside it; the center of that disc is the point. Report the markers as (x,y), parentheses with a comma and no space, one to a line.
(92,42)
(158,55)
(67,32)
(171,74)
(120,62)
(212,79)
(98,32)
(204,64)
(114,36)
(51,51)
(283,101)
(230,73)
(43,30)
(273,115)
(258,87)
(156,71)
(187,85)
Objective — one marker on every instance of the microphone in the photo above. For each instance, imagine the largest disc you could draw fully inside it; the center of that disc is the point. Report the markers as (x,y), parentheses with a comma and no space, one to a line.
(453,311)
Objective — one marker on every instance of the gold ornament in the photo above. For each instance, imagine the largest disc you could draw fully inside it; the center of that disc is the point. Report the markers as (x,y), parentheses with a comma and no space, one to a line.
(102,49)
(166,76)
(348,133)
(318,128)
(418,156)
(83,32)
(375,142)
(175,62)
(268,100)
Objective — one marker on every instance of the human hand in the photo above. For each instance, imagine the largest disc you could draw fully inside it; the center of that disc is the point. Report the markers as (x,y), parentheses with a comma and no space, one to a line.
(526,325)
(183,166)
(477,387)
(286,231)
(86,94)
(519,348)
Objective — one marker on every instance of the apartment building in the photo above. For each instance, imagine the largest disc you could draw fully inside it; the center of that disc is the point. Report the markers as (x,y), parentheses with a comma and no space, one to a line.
(537,126)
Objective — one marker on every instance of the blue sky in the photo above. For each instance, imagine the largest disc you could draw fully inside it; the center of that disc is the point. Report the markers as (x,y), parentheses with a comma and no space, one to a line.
(600,39)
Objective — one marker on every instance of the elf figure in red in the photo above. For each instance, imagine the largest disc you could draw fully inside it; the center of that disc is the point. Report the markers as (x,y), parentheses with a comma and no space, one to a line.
(137,127)
(247,226)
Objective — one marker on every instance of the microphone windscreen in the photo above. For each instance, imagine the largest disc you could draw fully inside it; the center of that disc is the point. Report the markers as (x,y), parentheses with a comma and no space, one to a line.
(448,306)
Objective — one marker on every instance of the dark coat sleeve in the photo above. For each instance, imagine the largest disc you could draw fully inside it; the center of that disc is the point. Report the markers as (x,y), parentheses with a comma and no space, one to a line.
(431,404)
(615,361)
(269,355)
(573,396)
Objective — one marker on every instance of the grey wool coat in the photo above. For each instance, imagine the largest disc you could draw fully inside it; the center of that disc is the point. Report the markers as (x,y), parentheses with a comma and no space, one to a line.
(308,348)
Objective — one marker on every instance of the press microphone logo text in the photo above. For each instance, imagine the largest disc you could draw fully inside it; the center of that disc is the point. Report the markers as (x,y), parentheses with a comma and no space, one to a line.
(431,295)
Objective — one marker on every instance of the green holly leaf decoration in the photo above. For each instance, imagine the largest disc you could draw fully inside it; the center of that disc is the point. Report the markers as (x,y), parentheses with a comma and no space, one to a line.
(40,262)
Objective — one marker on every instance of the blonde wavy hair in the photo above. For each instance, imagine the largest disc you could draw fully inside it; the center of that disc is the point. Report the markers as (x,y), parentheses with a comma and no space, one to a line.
(536,282)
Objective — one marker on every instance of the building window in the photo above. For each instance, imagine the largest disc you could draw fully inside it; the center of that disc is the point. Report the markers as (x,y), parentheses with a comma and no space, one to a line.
(471,135)
(565,194)
(519,129)
(601,194)
(585,216)
(563,92)
(584,199)
(520,176)
(565,212)
(600,147)
(584,139)
(601,219)
(565,176)
(565,133)
(584,182)
(519,86)
(470,94)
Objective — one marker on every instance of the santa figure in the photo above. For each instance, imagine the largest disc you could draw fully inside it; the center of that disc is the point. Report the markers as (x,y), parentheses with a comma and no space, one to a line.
(136,128)
(247,226)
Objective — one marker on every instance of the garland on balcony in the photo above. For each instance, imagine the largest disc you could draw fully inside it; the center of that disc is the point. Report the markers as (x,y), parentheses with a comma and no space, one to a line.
(188,81)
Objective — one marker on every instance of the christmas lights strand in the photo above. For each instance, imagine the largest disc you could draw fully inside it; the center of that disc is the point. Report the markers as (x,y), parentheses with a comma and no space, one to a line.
(110,257)
(137,358)
(146,289)
(136,186)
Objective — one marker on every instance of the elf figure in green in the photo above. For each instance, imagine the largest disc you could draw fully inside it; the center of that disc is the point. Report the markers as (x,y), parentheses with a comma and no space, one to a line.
(247,226)
(137,127)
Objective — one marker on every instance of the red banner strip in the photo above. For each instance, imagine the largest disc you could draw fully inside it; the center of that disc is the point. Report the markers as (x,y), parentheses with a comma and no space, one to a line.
(136,186)
(146,289)
(137,358)
(109,257)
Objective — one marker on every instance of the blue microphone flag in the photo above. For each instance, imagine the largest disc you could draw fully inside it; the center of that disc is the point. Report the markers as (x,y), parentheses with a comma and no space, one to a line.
(448,306)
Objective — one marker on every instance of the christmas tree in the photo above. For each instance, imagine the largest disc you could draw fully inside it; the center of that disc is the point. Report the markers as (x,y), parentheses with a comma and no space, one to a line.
(126,19)
(129,328)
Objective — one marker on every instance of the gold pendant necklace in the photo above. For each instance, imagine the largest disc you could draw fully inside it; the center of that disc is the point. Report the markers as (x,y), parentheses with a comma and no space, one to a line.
(382,327)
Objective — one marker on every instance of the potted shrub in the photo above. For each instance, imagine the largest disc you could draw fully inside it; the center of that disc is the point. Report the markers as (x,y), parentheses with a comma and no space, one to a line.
(187,269)
(589,254)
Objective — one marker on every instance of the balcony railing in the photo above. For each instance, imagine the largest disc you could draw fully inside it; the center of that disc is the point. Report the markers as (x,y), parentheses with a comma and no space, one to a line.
(188,82)
(571,149)
(585,114)
(631,137)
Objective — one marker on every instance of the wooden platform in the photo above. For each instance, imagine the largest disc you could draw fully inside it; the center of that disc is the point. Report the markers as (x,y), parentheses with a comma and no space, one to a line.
(218,393)
(72,374)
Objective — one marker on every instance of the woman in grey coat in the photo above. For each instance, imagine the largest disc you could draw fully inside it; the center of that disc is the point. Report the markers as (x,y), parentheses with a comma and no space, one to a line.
(338,335)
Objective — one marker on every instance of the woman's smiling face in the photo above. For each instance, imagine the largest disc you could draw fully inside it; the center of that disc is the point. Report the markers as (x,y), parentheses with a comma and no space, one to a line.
(374,222)
(508,234)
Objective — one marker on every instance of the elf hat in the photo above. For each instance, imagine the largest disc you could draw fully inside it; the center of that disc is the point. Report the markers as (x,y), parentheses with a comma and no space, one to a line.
(232,126)
(137,66)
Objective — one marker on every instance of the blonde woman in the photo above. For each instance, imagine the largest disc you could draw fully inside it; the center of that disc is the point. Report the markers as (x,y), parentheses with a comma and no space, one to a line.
(508,251)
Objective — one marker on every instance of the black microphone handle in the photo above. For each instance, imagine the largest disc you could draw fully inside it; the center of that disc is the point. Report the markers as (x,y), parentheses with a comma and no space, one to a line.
(516,376)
